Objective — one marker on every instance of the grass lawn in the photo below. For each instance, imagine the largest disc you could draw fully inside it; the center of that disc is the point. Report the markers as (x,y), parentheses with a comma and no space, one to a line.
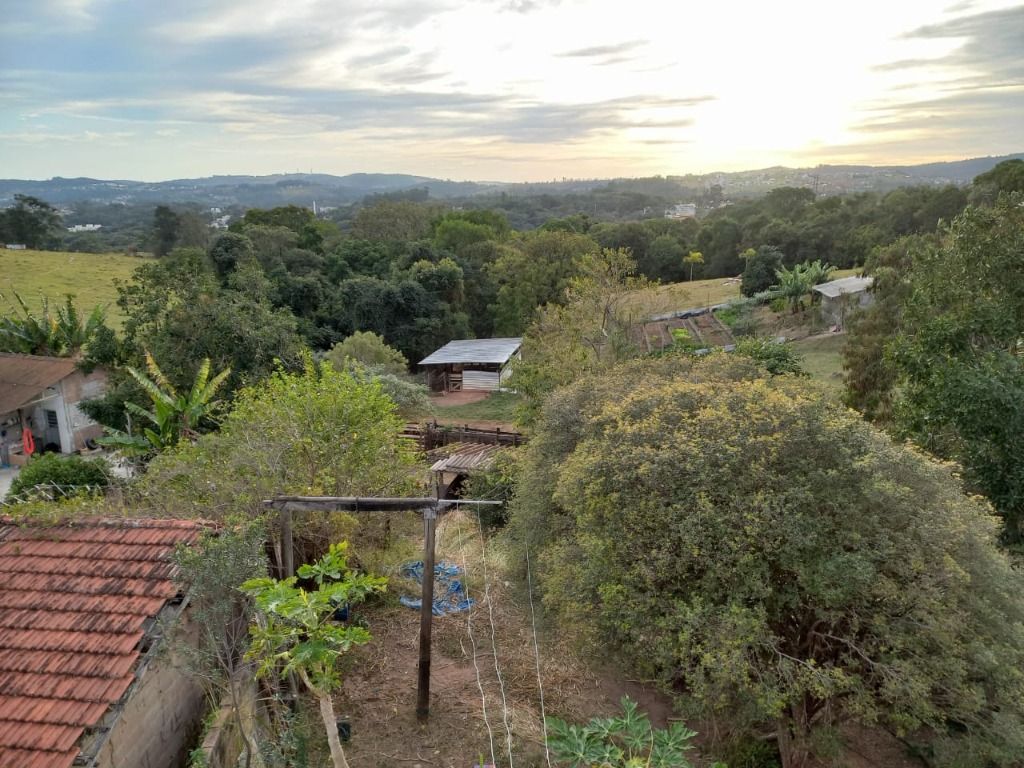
(496,407)
(822,358)
(698,293)
(87,276)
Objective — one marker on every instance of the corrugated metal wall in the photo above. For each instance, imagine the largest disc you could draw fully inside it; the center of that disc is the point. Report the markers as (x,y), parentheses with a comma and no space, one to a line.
(487,380)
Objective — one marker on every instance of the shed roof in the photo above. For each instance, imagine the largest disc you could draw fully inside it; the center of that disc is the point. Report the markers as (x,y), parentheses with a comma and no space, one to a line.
(75,602)
(467,457)
(844,285)
(474,351)
(23,377)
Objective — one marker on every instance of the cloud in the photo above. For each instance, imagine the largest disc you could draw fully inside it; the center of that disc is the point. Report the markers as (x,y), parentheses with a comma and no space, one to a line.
(976,95)
(601,51)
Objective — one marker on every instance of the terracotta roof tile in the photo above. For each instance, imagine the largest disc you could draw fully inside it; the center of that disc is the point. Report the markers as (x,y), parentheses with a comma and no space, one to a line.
(75,600)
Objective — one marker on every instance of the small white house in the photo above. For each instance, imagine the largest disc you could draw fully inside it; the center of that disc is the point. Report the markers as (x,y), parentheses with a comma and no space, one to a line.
(39,397)
(838,297)
(481,364)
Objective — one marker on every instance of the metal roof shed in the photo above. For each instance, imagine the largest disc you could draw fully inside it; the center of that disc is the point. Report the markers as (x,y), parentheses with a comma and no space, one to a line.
(844,285)
(841,296)
(471,364)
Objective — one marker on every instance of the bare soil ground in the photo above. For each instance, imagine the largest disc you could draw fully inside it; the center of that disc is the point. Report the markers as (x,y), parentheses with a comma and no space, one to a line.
(452,399)
(379,694)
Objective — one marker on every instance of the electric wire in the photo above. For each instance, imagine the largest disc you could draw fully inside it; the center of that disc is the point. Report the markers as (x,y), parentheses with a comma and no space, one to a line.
(536,655)
(494,642)
(472,641)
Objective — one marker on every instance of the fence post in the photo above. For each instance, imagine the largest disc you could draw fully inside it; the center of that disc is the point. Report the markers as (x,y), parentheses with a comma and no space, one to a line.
(426,614)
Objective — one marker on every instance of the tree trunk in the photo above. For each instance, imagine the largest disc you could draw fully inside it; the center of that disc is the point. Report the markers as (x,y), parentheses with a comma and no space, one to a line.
(794,748)
(331,725)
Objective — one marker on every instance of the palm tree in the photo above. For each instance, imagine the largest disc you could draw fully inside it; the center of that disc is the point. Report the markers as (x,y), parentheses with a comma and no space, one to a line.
(63,333)
(174,416)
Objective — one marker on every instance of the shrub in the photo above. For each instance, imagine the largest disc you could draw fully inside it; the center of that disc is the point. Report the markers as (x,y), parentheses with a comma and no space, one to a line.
(370,350)
(66,471)
(786,563)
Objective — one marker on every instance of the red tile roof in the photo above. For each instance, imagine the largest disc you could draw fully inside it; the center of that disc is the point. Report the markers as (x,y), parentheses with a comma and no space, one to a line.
(75,600)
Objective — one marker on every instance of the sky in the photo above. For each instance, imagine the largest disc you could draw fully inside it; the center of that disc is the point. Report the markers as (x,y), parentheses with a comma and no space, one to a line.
(503,90)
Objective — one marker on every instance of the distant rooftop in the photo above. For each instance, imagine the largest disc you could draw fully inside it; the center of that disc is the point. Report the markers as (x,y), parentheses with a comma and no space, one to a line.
(474,351)
(844,285)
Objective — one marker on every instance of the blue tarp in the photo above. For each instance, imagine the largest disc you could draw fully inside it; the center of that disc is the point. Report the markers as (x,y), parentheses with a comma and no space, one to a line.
(449,596)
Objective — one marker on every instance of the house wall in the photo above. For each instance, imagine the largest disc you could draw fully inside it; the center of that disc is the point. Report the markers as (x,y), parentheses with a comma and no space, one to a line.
(74,389)
(158,724)
(836,311)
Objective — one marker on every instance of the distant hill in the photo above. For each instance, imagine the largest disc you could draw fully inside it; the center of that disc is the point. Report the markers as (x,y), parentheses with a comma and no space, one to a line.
(329,190)
(249,191)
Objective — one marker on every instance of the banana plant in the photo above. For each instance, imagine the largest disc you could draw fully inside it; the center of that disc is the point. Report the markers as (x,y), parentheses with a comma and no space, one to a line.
(62,332)
(174,415)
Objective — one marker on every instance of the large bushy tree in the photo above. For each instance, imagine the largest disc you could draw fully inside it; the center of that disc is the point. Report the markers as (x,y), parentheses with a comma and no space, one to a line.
(318,431)
(958,356)
(30,221)
(775,559)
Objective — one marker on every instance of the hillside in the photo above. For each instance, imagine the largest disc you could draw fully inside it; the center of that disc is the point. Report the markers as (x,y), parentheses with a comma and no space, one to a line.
(89,277)
(330,190)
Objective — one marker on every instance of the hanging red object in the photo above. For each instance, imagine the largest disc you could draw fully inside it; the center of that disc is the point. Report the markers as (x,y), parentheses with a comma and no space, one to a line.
(28,442)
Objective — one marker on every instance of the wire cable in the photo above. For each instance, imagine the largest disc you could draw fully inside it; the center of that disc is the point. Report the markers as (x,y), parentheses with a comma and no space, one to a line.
(536,655)
(472,641)
(494,642)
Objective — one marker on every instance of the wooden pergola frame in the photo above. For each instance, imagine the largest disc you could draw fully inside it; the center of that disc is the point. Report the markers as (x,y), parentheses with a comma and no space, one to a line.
(430,507)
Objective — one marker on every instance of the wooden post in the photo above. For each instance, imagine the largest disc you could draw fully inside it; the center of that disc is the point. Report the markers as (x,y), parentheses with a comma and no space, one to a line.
(426,614)
(287,543)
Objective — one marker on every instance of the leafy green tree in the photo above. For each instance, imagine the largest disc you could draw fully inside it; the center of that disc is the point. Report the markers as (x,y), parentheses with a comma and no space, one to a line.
(958,354)
(719,240)
(591,331)
(30,221)
(174,416)
(166,230)
(177,310)
(394,221)
(627,741)
(534,273)
(760,269)
(295,631)
(63,332)
(1006,177)
(816,273)
(317,431)
(870,373)
(228,251)
(804,570)
(370,350)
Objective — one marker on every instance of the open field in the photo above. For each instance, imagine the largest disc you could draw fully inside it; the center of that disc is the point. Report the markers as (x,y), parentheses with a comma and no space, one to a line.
(494,409)
(698,293)
(88,276)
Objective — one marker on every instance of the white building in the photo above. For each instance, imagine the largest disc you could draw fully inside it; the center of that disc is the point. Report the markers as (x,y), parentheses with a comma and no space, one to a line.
(39,399)
(682,211)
